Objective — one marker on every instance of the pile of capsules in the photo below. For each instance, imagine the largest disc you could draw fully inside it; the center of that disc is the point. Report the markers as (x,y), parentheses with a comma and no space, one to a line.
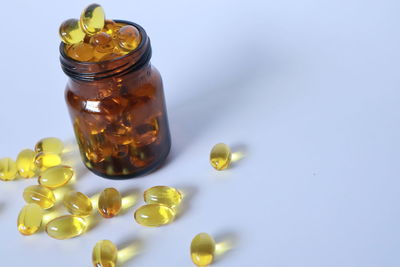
(162,202)
(92,38)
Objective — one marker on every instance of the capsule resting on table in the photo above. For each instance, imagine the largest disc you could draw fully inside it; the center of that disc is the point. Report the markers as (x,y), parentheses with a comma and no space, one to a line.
(30,219)
(105,254)
(78,203)
(56,176)
(153,215)
(166,195)
(40,195)
(110,202)
(66,226)
(202,249)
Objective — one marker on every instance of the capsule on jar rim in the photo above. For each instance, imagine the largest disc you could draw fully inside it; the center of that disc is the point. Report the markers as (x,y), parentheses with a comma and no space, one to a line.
(166,195)
(40,195)
(56,176)
(30,219)
(202,249)
(26,163)
(105,254)
(67,226)
(154,215)
(49,145)
(109,203)
(78,203)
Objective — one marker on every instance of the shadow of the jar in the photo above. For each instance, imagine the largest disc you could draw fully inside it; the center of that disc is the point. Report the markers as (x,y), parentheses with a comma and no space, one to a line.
(218,92)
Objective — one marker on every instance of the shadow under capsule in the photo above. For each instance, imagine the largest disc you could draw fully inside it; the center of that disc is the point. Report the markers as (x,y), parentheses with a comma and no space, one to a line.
(188,192)
(238,153)
(225,242)
(129,250)
(130,197)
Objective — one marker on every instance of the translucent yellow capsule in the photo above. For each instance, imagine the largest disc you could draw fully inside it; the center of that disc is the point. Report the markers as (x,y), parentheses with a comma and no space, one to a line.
(49,145)
(39,195)
(109,202)
(71,32)
(78,203)
(153,215)
(128,37)
(26,163)
(66,226)
(111,28)
(202,249)
(44,160)
(105,254)
(8,169)
(56,176)
(92,19)
(220,157)
(30,219)
(166,195)
(82,52)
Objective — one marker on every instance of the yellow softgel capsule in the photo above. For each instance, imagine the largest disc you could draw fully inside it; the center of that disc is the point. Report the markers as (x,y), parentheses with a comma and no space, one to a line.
(111,28)
(110,202)
(128,37)
(45,160)
(92,19)
(39,195)
(202,249)
(153,215)
(220,156)
(66,226)
(71,32)
(78,203)
(30,219)
(8,169)
(26,163)
(82,52)
(166,195)
(56,176)
(49,145)
(105,254)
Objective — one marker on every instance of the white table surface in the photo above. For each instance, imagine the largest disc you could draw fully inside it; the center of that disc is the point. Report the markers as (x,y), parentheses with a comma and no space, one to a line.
(309,89)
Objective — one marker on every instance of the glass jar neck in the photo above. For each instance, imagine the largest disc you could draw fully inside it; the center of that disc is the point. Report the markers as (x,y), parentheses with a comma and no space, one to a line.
(93,71)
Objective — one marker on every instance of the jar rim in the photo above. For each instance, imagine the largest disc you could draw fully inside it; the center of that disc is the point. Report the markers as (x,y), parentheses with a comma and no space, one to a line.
(70,66)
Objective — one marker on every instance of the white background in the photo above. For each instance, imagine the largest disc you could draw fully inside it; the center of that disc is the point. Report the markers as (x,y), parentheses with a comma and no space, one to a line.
(309,89)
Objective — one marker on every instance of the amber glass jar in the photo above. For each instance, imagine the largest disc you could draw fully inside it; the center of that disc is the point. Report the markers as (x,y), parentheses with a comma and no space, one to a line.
(118,112)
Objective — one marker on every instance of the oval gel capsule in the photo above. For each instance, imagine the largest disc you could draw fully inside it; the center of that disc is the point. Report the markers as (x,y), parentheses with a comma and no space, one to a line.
(166,195)
(92,19)
(153,215)
(78,203)
(66,226)
(29,219)
(40,195)
(202,249)
(8,169)
(26,163)
(110,202)
(49,145)
(105,254)
(220,156)
(56,176)
(44,160)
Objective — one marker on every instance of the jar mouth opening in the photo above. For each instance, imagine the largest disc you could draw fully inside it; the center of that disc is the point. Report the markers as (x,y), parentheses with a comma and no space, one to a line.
(142,41)
(91,71)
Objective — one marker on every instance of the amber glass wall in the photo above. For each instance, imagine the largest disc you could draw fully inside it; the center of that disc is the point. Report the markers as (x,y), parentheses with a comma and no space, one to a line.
(118,112)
